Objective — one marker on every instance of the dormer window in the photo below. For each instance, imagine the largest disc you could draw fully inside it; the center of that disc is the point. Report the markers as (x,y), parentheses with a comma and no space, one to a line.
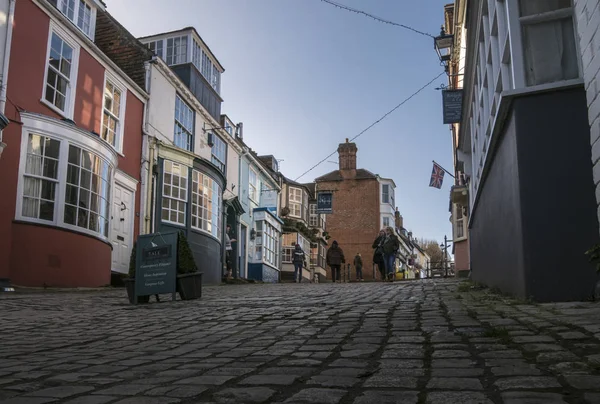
(81,14)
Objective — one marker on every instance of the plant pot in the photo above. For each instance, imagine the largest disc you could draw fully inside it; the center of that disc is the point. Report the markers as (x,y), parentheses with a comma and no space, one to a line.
(189,286)
(130,286)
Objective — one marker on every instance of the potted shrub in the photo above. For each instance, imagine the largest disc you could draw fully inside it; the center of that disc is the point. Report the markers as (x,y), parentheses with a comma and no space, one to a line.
(130,282)
(189,279)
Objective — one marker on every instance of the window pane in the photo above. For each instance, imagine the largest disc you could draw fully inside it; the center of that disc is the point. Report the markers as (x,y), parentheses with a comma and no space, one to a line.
(531,7)
(550,52)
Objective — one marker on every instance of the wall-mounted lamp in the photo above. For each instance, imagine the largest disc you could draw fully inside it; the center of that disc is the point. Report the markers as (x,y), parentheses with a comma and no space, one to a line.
(4,121)
(443,47)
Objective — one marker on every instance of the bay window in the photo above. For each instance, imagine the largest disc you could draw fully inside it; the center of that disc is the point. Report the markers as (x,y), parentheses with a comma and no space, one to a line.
(460,222)
(174,195)
(65,177)
(313,220)
(206,204)
(157,48)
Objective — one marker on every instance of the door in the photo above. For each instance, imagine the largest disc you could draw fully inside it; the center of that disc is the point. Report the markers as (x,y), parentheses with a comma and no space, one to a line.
(122,228)
(243,256)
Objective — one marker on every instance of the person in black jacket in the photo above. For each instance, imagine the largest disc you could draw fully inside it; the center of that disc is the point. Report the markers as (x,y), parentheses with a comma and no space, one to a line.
(358,266)
(335,258)
(299,259)
(391,244)
(378,253)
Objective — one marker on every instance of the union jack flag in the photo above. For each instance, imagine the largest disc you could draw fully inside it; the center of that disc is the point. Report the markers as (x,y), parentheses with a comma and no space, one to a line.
(437,176)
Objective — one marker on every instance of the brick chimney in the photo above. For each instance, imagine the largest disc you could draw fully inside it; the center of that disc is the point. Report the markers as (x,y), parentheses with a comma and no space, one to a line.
(347,155)
(398,219)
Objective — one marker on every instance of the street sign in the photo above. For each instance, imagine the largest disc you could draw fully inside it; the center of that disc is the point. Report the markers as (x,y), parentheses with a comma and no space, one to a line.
(156,264)
(452,105)
(324,202)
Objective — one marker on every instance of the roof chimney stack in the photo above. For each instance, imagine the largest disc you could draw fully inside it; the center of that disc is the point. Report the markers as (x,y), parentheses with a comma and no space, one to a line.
(347,155)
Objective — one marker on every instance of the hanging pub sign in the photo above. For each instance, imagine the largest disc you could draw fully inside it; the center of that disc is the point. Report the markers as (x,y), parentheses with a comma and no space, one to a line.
(452,105)
(324,202)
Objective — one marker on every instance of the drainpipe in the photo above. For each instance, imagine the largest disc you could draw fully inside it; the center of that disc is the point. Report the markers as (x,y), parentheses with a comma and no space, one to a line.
(145,163)
(7,45)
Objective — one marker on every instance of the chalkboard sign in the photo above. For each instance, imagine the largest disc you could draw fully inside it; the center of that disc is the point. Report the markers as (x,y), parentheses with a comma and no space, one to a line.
(156,265)
(324,203)
(452,105)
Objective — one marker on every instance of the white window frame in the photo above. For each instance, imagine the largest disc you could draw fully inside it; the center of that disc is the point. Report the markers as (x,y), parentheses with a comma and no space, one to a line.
(67,135)
(216,201)
(190,132)
(313,218)
(384,188)
(386,219)
(253,188)
(93,13)
(461,223)
(214,157)
(72,86)
(293,201)
(119,133)
(162,48)
(176,56)
(182,168)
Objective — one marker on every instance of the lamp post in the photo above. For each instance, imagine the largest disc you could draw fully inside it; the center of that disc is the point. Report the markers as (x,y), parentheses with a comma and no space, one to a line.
(445,247)
(443,46)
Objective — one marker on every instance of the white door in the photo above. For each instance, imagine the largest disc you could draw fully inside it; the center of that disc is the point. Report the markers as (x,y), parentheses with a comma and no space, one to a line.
(122,228)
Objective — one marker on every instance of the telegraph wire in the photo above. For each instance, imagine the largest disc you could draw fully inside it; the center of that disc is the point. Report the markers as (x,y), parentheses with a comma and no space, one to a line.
(344,7)
(376,122)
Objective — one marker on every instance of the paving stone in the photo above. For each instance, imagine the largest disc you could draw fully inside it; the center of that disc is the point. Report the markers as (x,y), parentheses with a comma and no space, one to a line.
(352,363)
(454,383)
(584,382)
(149,400)
(456,372)
(523,383)
(92,400)
(61,391)
(317,396)
(270,379)
(243,395)
(572,335)
(450,354)
(387,379)
(401,364)
(524,397)
(592,398)
(452,363)
(533,339)
(387,397)
(542,347)
(333,381)
(229,371)
(506,354)
(560,356)
(515,371)
(453,397)
(29,400)
(216,380)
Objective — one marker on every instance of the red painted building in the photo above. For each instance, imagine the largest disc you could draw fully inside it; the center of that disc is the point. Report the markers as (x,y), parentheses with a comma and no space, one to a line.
(70,173)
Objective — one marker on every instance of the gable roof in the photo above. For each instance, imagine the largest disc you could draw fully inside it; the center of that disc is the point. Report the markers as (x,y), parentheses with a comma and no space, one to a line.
(361,174)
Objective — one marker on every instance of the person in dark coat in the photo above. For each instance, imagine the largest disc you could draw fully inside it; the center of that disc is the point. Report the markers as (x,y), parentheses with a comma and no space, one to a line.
(358,265)
(391,244)
(299,259)
(335,258)
(378,253)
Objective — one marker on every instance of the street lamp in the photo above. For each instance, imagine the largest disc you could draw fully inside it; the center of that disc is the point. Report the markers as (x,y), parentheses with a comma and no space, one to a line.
(443,46)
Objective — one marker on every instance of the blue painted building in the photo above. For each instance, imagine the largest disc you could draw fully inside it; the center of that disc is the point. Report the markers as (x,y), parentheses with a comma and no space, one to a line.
(260,225)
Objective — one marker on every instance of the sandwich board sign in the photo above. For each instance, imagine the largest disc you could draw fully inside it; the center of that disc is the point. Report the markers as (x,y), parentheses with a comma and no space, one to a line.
(156,265)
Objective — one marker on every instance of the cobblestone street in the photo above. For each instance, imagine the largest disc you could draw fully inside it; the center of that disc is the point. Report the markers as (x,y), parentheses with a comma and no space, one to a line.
(428,341)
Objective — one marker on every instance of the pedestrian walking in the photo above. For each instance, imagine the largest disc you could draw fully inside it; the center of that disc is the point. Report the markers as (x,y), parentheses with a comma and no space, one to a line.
(378,254)
(299,259)
(228,250)
(335,258)
(358,265)
(391,244)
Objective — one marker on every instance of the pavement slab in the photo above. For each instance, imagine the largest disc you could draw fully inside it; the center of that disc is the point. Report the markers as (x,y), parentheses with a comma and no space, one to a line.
(419,341)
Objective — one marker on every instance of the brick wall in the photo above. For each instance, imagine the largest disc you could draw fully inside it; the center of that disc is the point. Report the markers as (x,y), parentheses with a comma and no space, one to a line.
(588,23)
(355,220)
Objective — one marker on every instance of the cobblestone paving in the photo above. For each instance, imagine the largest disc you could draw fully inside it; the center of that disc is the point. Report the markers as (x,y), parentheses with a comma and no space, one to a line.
(406,342)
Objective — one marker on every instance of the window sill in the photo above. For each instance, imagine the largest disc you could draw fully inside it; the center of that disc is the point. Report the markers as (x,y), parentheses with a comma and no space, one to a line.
(205,233)
(55,109)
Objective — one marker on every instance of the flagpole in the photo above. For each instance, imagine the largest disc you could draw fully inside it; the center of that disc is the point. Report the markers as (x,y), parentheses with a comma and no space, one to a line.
(448,172)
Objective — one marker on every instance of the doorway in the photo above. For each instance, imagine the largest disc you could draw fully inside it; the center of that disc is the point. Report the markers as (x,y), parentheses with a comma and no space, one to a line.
(243,256)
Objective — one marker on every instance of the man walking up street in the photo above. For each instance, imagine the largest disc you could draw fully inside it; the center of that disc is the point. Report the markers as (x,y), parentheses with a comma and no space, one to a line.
(335,258)
(299,259)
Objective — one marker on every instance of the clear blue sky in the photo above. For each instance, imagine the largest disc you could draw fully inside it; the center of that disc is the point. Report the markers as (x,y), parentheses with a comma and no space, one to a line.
(304,75)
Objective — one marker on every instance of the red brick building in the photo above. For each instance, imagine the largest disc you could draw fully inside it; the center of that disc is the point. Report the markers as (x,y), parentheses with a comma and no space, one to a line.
(71,168)
(355,221)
